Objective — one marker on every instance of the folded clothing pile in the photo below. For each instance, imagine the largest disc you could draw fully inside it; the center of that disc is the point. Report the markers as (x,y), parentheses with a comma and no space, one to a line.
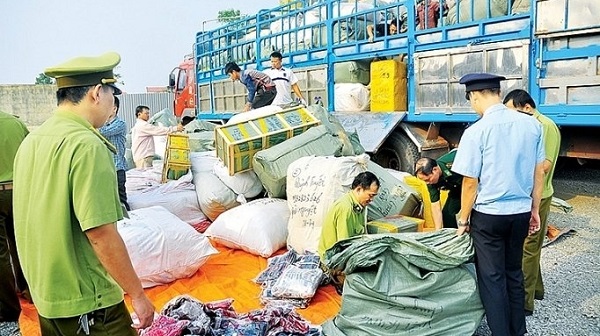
(185,315)
(290,278)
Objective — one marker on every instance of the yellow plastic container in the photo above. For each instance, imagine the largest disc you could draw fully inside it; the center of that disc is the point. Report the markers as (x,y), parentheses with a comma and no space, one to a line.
(388,86)
(237,143)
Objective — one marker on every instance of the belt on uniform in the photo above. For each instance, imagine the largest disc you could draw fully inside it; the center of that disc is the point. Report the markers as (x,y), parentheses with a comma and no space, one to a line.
(6,186)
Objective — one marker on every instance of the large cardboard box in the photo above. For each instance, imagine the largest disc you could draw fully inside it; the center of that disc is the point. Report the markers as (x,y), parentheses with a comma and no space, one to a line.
(237,143)
(388,86)
(394,224)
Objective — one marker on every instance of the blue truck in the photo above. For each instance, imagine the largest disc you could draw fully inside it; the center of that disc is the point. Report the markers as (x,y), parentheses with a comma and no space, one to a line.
(551,48)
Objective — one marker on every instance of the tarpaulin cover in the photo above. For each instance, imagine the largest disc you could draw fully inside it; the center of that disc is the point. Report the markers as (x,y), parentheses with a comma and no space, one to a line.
(228,274)
(411,283)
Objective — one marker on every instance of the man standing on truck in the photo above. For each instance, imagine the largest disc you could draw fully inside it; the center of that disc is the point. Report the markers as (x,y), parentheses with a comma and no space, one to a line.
(521,101)
(66,206)
(438,176)
(501,158)
(12,133)
(142,137)
(285,81)
(115,131)
(261,89)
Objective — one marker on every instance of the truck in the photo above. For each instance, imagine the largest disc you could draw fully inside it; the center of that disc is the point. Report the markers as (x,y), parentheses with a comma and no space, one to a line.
(551,48)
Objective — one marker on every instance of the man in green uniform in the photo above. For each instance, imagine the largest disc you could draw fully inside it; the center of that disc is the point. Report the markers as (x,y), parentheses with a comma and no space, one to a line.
(66,204)
(12,133)
(521,101)
(348,216)
(438,177)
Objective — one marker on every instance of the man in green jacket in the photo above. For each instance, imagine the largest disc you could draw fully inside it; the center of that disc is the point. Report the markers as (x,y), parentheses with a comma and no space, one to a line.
(66,205)
(521,101)
(12,133)
(438,177)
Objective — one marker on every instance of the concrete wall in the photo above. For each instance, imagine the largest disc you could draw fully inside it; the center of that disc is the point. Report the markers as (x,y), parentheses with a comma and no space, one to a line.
(32,103)
(35,103)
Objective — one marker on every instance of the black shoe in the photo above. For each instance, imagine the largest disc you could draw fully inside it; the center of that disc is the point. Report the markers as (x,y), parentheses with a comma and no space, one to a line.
(538,296)
(528,312)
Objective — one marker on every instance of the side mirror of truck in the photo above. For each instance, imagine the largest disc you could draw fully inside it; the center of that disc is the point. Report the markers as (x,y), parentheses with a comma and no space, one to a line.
(172,81)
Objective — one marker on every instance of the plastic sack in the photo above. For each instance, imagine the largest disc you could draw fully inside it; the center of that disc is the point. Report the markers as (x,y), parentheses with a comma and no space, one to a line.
(271,164)
(258,227)
(162,248)
(313,185)
(395,197)
(163,117)
(178,197)
(351,97)
(203,161)
(245,184)
(423,278)
(214,197)
(297,283)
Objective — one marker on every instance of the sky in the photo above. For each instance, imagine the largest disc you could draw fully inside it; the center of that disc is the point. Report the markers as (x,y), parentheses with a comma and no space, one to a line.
(152,36)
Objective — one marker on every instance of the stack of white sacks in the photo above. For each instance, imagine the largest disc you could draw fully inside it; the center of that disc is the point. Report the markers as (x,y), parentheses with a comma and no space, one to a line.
(160,233)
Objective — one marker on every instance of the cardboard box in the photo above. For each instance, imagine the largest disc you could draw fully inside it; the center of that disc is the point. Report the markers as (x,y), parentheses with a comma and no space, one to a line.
(388,86)
(394,224)
(237,143)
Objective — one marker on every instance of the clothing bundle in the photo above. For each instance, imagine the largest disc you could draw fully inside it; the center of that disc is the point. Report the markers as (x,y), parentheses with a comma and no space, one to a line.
(185,315)
(291,278)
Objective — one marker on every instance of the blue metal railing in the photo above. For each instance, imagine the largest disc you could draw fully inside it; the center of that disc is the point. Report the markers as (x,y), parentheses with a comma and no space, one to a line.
(321,33)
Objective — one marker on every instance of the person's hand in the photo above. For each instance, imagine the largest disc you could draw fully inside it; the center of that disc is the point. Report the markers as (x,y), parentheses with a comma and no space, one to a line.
(462,229)
(371,39)
(144,310)
(534,222)
(247,107)
(180,128)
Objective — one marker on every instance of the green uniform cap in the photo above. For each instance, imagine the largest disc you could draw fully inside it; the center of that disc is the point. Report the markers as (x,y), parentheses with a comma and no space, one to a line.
(86,71)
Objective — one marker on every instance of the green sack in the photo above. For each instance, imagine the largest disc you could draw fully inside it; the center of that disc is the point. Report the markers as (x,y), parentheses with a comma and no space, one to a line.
(406,284)
(351,145)
(202,141)
(395,197)
(271,164)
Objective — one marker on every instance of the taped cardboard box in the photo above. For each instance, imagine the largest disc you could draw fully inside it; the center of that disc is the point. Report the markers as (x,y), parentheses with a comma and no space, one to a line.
(395,224)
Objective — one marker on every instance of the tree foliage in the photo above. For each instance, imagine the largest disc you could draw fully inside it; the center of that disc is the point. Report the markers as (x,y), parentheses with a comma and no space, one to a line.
(43,79)
(228,15)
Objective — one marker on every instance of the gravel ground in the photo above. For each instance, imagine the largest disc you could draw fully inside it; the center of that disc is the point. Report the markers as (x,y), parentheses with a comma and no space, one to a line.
(571,265)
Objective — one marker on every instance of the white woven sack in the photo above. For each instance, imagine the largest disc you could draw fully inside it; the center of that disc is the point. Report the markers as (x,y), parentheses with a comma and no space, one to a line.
(162,248)
(258,227)
(244,184)
(313,184)
(178,197)
(203,161)
(214,197)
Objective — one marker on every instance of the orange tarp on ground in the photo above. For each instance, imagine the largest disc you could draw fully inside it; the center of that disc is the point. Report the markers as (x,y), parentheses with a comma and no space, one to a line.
(228,274)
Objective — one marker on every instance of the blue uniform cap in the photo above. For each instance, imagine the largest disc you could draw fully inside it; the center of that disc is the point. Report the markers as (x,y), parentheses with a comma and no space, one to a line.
(481,81)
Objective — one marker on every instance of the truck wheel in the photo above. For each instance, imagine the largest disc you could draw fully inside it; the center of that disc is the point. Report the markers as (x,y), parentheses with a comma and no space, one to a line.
(398,152)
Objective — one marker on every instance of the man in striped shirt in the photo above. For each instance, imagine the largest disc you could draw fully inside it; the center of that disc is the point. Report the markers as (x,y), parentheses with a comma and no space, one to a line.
(115,131)
(261,89)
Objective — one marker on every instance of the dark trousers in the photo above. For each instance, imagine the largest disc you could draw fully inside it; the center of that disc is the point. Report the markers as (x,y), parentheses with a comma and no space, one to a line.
(263,97)
(113,321)
(10,308)
(498,241)
(122,191)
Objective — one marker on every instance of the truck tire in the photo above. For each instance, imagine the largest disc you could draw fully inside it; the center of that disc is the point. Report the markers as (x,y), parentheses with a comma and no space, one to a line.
(398,152)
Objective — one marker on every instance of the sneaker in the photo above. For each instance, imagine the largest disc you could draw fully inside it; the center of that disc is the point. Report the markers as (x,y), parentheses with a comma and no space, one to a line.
(528,312)
(10,329)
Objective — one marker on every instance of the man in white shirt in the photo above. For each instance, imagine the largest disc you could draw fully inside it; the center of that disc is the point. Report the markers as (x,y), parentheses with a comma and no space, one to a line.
(285,81)
(142,141)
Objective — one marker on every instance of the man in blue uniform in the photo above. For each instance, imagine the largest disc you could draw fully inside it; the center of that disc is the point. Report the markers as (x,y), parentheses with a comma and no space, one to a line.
(501,158)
